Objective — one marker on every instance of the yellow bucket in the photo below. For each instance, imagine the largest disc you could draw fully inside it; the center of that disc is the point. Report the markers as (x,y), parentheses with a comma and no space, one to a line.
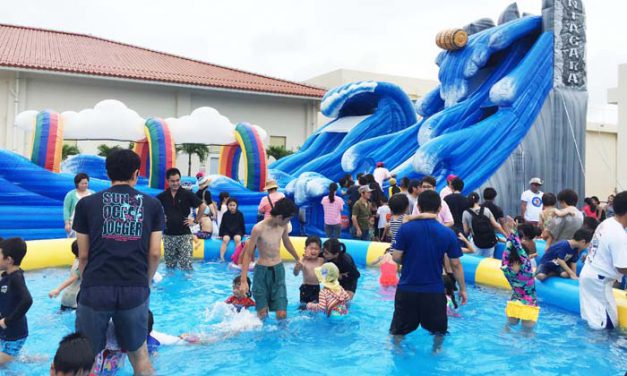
(521,311)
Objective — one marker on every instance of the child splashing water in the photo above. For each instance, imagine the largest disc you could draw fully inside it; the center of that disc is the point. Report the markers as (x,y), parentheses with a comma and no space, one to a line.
(240,300)
(516,266)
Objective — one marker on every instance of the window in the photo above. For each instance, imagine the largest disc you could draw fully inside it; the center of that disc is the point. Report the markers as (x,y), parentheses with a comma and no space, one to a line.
(278,141)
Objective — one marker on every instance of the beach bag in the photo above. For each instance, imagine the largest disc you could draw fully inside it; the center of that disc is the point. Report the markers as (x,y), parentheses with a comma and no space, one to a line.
(482,232)
(260,216)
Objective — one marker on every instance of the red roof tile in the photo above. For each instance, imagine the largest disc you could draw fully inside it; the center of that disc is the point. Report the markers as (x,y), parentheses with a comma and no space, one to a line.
(32,48)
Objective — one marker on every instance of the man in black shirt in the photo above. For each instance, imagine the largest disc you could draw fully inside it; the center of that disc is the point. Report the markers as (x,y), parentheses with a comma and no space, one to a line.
(489,194)
(458,203)
(118,232)
(177,204)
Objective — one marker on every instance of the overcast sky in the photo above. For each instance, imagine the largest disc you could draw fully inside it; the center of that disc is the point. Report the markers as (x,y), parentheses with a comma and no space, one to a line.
(297,40)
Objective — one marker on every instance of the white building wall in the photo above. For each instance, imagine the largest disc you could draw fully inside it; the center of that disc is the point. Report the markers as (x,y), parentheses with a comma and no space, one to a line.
(601,162)
(621,96)
(293,118)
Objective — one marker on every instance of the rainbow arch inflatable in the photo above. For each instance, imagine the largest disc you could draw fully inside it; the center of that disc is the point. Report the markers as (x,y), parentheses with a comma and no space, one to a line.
(47,141)
(161,153)
(249,145)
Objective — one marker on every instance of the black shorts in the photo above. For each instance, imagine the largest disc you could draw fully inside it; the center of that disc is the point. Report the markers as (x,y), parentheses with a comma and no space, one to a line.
(309,293)
(414,309)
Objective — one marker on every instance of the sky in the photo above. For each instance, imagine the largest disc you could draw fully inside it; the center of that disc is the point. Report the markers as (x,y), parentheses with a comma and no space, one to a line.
(297,40)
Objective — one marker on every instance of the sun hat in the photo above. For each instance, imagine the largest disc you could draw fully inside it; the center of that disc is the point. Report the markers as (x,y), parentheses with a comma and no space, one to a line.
(535,181)
(450,178)
(328,274)
(364,188)
(270,184)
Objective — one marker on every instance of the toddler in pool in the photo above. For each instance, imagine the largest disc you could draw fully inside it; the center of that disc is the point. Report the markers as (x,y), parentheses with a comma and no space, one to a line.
(310,288)
(333,299)
(239,300)
(388,268)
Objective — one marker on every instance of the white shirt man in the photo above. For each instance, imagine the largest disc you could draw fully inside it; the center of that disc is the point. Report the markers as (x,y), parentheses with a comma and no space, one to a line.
(531,202)
(606,263)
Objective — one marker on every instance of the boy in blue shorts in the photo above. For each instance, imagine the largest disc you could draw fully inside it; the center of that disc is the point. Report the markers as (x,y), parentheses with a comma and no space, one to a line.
(15,299)
(561,258)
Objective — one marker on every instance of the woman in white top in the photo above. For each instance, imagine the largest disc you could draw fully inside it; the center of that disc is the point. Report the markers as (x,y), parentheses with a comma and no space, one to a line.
(81,182)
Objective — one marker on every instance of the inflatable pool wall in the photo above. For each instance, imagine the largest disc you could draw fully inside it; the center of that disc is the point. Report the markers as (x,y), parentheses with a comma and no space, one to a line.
(559,292)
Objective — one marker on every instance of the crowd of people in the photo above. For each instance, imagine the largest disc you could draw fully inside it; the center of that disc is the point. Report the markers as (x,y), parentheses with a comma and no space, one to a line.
(119,232)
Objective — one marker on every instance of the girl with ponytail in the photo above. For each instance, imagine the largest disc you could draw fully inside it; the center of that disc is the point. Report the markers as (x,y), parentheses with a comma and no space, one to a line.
(332,207)
(335,251)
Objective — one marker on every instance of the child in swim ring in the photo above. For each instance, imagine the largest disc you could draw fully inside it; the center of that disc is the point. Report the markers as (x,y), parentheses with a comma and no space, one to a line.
(310,288)
(238,256)
(332,299)
(239,300)
(388,269)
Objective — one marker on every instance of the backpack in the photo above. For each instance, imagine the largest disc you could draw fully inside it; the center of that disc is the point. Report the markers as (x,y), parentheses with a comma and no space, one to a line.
(482,232)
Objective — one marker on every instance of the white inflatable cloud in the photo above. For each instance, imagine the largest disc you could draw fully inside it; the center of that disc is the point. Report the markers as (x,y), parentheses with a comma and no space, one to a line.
(108,120)
(204,125)
(26,120)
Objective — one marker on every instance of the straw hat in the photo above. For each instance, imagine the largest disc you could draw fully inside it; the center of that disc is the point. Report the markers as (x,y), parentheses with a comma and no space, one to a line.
(328,274)
(270,184)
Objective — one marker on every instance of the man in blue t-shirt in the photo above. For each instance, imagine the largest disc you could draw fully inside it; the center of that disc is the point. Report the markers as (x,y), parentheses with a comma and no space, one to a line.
(561,258)
(118,232)
(420,246)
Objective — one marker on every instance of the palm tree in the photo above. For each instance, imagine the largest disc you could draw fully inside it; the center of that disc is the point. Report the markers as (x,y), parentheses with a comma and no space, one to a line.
(201,150)
(104,150)
(278,152)
(69,150)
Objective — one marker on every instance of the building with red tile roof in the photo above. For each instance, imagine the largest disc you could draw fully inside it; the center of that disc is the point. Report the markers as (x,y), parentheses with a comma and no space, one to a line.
(41,69)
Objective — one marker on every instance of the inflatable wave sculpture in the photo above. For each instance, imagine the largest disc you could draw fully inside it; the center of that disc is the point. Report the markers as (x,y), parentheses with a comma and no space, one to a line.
(363,110)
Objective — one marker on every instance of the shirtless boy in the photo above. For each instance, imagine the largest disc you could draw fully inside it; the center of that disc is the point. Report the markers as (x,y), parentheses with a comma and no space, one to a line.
(269,290)
(310,289)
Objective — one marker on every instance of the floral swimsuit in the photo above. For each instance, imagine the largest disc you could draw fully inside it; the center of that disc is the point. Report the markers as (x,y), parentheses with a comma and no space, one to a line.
(522,282)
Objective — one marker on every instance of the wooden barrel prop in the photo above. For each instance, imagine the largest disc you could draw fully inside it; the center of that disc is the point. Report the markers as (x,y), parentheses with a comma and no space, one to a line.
(451,39)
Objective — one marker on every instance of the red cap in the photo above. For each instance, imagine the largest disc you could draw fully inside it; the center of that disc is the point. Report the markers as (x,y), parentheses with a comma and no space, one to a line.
(450,178)
(379,164)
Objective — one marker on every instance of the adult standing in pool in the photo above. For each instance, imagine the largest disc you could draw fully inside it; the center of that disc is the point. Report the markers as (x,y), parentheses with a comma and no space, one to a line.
(81,182)
(531,202)
(420,246)
(118,232)
(606,263)
(177,237)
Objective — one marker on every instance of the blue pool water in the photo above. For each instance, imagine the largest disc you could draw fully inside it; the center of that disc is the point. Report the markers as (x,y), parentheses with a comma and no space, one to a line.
(357,344)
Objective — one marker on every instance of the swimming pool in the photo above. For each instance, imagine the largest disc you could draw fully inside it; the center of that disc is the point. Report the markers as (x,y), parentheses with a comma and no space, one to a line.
(357,344)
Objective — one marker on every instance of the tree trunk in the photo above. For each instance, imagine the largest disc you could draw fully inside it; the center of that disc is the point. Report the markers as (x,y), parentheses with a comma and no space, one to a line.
(189,165)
